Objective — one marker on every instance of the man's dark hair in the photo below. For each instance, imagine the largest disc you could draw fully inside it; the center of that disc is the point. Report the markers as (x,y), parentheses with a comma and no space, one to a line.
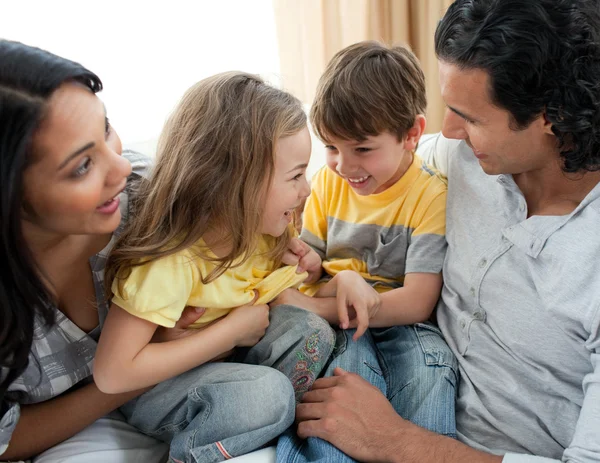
(542,56)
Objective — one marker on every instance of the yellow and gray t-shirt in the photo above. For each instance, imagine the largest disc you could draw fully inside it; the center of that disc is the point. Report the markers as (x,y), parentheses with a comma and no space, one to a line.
(382,236)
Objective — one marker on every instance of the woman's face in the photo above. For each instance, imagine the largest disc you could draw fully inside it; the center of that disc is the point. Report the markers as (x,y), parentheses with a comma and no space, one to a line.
(76,172)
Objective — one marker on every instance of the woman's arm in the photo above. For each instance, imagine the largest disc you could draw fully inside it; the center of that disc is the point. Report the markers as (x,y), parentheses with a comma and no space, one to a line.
(46,424)
(126,360)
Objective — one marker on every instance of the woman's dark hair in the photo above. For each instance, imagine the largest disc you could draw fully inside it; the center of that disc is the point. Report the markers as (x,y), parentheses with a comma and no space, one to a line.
(28,76)
(542,56)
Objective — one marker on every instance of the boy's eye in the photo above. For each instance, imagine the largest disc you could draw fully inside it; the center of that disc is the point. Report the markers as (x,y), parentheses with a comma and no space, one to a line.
(330,147)
(363,150)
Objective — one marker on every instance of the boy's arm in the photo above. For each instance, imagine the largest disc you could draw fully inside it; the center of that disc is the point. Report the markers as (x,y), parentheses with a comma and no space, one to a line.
(413,303)
(325,307)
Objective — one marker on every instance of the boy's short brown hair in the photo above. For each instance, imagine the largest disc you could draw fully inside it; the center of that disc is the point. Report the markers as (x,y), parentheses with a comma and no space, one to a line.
(369,88)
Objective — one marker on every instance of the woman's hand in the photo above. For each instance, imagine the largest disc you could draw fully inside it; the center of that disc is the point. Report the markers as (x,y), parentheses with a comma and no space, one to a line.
(181,328)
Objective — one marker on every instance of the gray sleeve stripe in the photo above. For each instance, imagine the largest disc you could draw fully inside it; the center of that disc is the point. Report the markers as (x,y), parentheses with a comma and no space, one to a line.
(426,254)
(314,242)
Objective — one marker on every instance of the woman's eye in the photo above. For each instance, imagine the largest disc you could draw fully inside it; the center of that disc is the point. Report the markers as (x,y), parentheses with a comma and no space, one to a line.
(83,168)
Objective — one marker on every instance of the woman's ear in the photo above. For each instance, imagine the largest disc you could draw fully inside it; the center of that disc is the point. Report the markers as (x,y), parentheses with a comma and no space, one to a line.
(414,133)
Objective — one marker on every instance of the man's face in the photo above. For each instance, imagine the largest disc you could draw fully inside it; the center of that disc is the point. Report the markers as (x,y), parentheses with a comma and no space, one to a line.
(472,117)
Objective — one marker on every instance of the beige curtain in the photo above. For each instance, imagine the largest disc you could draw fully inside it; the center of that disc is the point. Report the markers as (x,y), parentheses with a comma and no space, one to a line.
(310,32)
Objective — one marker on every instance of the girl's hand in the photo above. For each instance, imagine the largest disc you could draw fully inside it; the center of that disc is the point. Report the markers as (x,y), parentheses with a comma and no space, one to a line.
(354,293)
(181,328)
(249,322)
(301,254)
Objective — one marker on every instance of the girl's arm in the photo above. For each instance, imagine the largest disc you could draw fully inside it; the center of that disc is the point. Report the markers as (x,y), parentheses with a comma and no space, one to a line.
(126,360)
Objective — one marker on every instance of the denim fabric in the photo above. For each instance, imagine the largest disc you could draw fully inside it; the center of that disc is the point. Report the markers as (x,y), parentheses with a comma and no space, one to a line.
(225,409)
(411,365)
(298,343)
(359,357)
(421,375)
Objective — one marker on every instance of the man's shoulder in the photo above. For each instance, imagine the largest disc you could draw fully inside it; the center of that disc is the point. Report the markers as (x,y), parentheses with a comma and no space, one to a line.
(437,150)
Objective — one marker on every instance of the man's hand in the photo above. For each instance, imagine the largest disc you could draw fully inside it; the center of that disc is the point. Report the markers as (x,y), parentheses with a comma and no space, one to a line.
(357,418)
(350,413)
(301,254)
(181,328)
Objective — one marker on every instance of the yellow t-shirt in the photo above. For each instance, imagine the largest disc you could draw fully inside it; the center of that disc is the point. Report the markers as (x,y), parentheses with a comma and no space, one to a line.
(159,290)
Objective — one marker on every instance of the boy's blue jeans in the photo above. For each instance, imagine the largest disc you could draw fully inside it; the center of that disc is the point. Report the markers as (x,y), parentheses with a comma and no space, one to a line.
(412,365)
(225,409)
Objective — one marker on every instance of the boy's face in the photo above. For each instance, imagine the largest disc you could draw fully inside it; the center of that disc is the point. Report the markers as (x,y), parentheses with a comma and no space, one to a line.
(370,166)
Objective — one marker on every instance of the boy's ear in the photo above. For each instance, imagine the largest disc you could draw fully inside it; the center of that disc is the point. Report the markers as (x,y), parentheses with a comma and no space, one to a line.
(414,133)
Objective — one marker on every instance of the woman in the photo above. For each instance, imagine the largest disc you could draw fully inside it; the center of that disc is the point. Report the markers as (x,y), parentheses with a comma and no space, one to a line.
(64,189)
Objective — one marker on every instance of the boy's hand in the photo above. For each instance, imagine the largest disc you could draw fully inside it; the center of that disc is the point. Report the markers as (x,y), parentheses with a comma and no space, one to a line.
(353,292)
(301,254)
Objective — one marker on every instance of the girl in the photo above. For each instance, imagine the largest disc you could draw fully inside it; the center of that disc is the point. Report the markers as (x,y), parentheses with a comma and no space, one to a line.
(211,226)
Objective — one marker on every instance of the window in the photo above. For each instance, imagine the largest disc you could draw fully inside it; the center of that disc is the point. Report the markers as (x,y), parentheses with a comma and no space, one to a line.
(148,53)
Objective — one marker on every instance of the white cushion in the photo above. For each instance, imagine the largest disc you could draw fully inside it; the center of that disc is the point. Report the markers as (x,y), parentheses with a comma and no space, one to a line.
(260,456)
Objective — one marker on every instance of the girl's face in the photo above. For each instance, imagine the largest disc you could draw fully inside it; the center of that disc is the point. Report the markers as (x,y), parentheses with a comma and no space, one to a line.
(289,188)
(73,181)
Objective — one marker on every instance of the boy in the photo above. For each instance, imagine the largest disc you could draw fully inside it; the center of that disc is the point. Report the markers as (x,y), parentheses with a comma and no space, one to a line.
(376,219)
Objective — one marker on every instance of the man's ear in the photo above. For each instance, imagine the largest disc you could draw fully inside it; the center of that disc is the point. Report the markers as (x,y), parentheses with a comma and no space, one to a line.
(414,133)
(546,125)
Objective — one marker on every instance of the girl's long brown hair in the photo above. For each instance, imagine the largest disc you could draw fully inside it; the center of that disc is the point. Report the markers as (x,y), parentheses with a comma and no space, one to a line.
(214,166)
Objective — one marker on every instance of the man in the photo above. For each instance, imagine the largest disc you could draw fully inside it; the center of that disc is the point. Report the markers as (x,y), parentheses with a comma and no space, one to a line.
(520,307)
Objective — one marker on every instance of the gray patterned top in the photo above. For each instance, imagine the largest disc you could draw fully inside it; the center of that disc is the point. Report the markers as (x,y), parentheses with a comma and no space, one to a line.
(61,355)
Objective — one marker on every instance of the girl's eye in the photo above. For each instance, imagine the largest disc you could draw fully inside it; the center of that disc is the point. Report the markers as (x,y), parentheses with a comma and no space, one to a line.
(83,168)
(299,176)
